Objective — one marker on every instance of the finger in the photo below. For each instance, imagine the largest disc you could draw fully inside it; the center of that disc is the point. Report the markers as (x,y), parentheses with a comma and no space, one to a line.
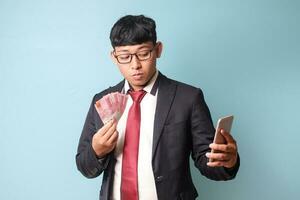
(227,164)
(113,138)
(228,148)
(111,125)
(227,136)
(218,156)
(216,164)
(105,128)
(109,132)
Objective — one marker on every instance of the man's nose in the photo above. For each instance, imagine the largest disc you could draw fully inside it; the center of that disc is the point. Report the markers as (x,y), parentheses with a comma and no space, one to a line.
(135,62)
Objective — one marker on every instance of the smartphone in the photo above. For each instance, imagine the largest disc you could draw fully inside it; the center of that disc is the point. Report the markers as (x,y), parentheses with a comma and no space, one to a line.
(224,123)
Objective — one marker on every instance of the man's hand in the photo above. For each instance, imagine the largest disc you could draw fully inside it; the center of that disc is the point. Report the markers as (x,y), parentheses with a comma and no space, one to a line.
(105,140)
(225,154)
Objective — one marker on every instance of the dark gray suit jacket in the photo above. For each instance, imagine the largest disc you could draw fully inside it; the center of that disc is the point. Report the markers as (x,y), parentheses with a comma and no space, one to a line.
(182,127)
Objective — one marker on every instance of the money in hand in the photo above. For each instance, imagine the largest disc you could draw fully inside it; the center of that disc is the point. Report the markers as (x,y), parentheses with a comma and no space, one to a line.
(111,106)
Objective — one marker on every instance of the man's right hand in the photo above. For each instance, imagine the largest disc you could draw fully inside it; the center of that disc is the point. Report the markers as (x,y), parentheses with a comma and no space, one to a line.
(105,140)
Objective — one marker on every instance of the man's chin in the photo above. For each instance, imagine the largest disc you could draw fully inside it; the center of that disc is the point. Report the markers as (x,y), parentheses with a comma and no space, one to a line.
(138,84)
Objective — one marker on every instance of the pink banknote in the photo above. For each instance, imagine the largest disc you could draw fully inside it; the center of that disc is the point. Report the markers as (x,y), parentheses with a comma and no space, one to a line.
(111,106)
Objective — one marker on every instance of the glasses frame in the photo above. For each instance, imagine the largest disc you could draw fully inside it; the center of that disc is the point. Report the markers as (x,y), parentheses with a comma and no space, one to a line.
(134,54)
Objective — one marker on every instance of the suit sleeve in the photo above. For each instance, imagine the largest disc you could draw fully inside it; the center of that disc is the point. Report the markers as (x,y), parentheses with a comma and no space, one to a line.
(86,160)
(202,131)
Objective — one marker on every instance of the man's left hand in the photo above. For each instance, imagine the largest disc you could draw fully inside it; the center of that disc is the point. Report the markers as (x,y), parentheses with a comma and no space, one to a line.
(225,154)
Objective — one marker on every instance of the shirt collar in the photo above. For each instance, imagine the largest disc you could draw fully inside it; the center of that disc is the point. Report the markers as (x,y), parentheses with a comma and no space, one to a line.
(150,88)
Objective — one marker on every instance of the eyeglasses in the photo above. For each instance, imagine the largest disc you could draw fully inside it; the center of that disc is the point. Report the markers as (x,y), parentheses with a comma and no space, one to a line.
(141,56)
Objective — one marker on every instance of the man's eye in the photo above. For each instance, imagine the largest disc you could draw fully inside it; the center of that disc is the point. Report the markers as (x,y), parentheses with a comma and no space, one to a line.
(124,57)
(143,54)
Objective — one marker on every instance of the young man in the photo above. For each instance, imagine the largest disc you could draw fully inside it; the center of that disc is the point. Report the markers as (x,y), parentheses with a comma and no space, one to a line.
(145,155)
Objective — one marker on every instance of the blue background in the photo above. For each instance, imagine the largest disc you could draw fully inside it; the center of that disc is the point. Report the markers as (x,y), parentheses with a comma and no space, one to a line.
(54,56)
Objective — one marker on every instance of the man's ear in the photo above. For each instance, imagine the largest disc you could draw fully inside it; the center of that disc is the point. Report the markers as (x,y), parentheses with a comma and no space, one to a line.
(112,56)
(159,48)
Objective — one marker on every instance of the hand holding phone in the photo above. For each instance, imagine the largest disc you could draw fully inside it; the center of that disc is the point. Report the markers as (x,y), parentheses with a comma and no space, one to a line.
(224,123)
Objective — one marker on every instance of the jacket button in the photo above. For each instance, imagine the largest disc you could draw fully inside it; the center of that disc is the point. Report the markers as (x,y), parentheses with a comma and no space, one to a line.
(159,178)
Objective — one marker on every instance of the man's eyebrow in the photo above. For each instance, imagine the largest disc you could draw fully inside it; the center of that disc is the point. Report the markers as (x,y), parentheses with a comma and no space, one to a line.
(145,46)
(123,50)
(127,51)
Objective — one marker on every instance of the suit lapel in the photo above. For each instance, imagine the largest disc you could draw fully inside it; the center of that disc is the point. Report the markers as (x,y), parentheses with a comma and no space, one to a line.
(166,94)
(117,88)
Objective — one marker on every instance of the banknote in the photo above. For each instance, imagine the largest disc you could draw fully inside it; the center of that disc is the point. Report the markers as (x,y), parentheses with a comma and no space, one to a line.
(111,106)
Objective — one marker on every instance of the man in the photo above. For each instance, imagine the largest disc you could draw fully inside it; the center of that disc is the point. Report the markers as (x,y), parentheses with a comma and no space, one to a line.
(145,155)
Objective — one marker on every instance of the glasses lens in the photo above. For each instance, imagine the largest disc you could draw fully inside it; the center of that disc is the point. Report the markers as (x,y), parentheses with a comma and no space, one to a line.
(124,58)
(144,55)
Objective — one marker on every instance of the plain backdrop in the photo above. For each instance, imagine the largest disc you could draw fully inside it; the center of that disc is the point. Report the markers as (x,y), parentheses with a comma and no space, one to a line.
(54,56)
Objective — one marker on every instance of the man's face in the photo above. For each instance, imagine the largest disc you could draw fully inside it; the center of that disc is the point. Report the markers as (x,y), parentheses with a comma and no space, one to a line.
(139,68)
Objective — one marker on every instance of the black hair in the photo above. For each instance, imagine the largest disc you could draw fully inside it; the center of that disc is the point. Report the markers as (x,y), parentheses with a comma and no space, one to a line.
(132,30)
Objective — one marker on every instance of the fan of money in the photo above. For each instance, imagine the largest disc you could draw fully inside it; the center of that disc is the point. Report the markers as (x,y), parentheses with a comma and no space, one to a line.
(111,106)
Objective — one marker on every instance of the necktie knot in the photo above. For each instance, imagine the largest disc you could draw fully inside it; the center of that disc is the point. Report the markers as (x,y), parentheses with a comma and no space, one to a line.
(137,96)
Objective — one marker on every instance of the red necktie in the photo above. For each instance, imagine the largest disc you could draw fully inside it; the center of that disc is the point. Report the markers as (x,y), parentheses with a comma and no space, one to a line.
(129,180)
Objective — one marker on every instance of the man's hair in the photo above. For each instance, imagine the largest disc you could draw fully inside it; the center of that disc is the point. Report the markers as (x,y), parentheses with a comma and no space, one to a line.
(132,30)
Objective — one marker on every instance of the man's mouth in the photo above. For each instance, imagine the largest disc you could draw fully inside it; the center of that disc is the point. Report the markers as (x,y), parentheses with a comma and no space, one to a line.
(137,75)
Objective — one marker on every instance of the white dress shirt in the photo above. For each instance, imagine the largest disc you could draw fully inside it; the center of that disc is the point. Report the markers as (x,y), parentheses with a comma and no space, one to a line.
(146,183)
